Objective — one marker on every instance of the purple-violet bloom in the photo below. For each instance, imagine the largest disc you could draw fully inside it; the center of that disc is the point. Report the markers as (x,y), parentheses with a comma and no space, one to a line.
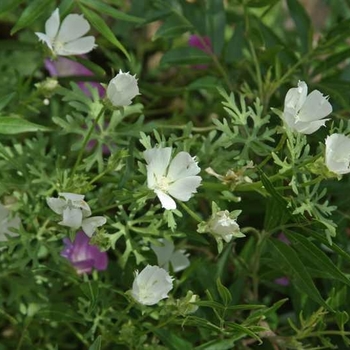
(202,43)
(64,67)
(83,256)
(284,280)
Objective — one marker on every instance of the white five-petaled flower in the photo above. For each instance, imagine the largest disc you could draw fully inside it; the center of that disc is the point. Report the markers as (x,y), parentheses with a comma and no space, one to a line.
(166,254)
(7,222)
(304,113)
(338,153)
(122,89)
(75,212)
(151,285)
(68,38)
(176,178)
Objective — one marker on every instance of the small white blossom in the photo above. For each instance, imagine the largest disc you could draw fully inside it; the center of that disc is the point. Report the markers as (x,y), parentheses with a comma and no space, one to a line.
(222,225)
(68,38)
(151,285)
(304,113)
(122,89)
(166,254)
(338,153)
(7,223)
(176,178)
(75,212)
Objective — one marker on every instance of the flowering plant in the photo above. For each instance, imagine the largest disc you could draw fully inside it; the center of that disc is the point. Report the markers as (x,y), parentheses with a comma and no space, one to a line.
(149,204)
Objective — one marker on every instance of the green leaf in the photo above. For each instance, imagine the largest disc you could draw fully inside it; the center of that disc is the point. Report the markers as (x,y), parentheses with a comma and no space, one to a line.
(239,328)
(16,125)
(173,26)
(34,10)
(8,5)
(224,293)
(106,9)
(302,23)
(185,55)
(235,46)
(172,341)
(208,82)
(331,62)
(5,100)
(100,25)
(216,22)
(316,256)
(96,345)
(287,257)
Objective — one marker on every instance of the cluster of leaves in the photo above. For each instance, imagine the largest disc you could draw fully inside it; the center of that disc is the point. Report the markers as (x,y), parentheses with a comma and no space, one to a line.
(222,114)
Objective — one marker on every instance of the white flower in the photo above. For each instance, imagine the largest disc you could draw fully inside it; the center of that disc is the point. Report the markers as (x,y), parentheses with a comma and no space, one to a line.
(176,179)
(7,223)
(151,285)
(304,113)
(67,39)
(75,212)
(122,89)
(338,153)
(166,254)
(223,226)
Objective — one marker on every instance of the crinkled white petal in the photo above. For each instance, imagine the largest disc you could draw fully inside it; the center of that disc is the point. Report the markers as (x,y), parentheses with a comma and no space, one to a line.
(163,252)
(72,218)
(73,27)
(183,165)
(151,285)
(308,128)
(89,225)
(179,260)
(43,37)
(316,107)
(183,189)
(71,196)
(56,204)
(77,47)
(296,97)
(52,24)
(157,162)
(166,201)
(337,156)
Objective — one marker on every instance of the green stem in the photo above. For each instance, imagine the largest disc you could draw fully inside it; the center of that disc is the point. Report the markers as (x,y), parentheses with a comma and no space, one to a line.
(86,140)
(190,212)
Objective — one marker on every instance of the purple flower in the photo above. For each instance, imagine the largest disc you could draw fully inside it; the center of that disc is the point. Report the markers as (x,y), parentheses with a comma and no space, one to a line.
(64,67)
(282,281)
(84,256)
(202,43)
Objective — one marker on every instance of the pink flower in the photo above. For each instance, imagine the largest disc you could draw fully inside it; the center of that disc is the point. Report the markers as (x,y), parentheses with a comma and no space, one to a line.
(64,67)
(83,256)
(202,43)
(284,280)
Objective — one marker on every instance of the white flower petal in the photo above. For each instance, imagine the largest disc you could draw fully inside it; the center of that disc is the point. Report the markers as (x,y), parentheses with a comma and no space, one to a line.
(166,201)
(151,285)
(89,225)
(179,261)
(158,160)
(316,107)
(183,189)
(77,47)
(52,25)
(73,27)
(308,128)
(183,165)
(163,252)
(56,204)
(71,196)
(43,37)
(72,218)
(296,97)
(337,156)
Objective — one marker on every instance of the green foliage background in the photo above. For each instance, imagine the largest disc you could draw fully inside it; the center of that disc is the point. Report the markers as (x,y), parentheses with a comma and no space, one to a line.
(227,115)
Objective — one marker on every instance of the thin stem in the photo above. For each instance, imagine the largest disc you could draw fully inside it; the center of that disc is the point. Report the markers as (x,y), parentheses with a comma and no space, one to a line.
(190,212)
(86,140)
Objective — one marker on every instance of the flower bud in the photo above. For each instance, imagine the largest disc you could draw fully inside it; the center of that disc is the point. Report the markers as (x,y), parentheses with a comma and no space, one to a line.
(122,89)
